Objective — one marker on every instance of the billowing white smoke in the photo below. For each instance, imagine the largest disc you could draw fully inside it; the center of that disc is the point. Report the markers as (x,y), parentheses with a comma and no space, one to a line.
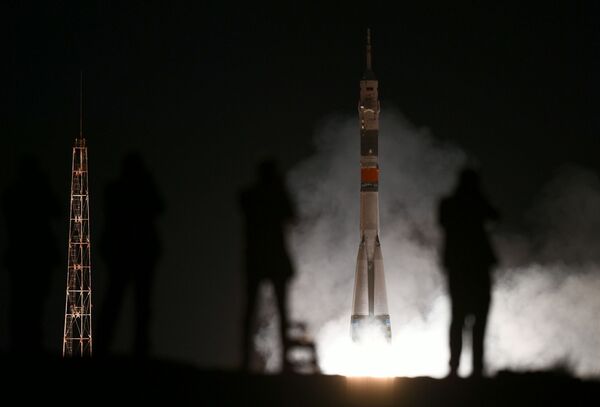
(541,316)
(547,302)
(546,317)
(415,171)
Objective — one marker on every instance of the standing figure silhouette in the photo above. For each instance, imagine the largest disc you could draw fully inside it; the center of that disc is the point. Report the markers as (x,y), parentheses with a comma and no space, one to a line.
(468,258)
(131,249)
(267,209)
(29,209)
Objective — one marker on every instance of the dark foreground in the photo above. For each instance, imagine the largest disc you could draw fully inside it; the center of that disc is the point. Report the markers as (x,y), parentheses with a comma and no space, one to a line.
(117,381)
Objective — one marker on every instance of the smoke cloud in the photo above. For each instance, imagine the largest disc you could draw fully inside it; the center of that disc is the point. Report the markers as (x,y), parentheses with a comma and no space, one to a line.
(545,301)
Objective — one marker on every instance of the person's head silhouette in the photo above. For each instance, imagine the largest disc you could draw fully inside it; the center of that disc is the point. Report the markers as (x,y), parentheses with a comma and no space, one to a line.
(468,181)
(267,169)
(133,163)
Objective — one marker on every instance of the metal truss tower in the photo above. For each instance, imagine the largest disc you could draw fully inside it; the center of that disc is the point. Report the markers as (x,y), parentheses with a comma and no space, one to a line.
(77,339)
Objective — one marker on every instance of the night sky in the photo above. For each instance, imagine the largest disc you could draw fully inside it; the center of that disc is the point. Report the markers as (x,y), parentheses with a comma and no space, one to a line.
(204,91)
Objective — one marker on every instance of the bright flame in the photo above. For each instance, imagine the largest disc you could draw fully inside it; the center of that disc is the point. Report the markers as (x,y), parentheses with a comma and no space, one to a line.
(417,349)
(365,359)
(381,359)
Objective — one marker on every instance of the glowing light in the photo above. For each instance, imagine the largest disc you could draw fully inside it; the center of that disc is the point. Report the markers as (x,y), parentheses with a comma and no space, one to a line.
(415,350)
(368,359)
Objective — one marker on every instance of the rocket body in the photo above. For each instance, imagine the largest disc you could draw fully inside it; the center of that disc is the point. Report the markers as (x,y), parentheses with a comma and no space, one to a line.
(369,306)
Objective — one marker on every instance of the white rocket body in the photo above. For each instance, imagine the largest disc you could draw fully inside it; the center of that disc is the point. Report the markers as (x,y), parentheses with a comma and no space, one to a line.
(369,306)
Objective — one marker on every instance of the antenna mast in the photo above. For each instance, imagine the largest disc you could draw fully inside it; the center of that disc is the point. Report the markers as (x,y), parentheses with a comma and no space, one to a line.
(80,104)
(368,49)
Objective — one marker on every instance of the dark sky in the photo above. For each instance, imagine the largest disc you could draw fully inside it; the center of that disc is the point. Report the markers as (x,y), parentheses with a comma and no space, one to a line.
(204,91)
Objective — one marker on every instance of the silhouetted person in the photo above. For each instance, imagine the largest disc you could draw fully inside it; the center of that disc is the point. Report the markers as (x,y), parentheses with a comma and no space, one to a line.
(267,209)
(32,254)
(131,249)
(468,258)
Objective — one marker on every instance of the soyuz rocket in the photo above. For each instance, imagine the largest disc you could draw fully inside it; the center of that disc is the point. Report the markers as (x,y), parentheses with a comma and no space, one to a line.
(369,305)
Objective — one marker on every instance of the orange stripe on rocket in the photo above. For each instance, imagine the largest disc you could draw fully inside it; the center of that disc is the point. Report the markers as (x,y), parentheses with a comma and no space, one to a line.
(369,175)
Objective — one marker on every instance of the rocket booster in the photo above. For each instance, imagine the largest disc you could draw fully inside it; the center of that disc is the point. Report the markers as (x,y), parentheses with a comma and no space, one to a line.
(369,305)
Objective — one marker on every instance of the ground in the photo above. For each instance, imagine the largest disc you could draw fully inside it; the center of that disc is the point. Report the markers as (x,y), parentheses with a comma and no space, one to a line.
(135,381)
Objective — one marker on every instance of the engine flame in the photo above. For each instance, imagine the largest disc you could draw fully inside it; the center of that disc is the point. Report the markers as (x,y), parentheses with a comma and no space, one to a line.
(414,351)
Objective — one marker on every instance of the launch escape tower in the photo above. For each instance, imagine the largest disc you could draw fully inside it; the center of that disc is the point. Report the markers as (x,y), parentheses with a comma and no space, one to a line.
(369,306)
(77,339)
